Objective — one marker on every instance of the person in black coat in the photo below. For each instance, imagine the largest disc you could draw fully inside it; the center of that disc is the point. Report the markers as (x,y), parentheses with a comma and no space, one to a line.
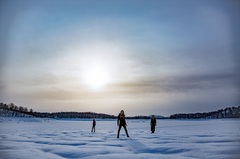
(93,125)
(121,122)
(153,123)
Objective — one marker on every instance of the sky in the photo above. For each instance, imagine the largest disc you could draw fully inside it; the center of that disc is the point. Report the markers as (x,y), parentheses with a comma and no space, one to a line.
(145,57)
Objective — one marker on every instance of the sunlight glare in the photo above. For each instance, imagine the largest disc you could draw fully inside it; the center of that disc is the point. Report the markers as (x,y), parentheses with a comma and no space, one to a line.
(97,77)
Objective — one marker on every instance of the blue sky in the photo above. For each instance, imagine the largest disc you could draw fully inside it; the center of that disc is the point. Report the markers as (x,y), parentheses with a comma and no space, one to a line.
(146,57)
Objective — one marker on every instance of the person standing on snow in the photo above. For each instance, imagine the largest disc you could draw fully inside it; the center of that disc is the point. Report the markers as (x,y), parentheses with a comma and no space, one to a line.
(121,122)
(93,125)
(153,123)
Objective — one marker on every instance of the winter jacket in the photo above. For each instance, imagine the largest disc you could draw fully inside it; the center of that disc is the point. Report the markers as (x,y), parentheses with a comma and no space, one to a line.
(153,121)
(121,120)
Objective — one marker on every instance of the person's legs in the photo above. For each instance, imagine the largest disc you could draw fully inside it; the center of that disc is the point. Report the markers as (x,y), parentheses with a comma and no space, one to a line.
(94,129)
(124,126)
(152,128)
(120,126)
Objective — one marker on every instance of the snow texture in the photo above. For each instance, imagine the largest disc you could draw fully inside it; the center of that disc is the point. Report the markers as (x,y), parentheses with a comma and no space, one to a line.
(33,138)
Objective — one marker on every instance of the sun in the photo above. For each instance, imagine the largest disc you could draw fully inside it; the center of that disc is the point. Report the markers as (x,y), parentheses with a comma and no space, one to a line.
(97,77)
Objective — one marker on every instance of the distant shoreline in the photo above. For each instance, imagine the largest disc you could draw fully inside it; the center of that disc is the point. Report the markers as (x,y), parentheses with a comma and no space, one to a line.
(11,110)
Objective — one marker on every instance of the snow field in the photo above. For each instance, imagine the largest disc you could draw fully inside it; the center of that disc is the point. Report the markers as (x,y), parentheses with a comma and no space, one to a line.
(32,138)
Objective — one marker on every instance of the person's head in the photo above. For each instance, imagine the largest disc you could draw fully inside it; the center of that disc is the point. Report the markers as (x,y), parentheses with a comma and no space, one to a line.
(153,116)
(122,112)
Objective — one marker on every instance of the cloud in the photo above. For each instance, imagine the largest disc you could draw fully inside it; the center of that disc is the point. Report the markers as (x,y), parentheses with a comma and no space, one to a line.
(68,89)
(178,84)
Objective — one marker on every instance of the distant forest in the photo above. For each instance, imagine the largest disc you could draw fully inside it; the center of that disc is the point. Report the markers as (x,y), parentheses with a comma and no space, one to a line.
(6,108)
(229,112)
(12,110)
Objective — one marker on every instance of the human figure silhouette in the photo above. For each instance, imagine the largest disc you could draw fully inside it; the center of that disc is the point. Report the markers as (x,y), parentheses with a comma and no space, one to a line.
(93,125)
(121,122)
(153,123)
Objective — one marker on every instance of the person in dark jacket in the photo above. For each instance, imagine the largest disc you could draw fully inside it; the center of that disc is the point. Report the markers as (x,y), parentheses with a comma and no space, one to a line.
(153,123)
(93,125)
(121,122)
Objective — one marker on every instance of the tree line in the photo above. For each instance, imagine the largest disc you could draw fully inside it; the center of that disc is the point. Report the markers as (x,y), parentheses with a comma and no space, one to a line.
(13,107)
(14,110)
(229,112)
(19,111)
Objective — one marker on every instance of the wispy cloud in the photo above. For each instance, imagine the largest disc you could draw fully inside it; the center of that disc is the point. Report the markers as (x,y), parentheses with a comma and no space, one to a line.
(178,84)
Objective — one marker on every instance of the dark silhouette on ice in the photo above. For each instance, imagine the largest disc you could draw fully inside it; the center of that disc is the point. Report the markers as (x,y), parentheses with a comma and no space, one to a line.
(121,122)
(93,125)
(153,123)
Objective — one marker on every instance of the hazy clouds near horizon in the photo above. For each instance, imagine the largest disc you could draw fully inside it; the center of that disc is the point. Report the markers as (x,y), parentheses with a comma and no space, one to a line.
(162,57)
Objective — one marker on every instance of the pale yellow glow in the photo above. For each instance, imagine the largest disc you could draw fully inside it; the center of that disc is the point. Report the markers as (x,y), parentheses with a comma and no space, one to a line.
(96,77)
(103,63)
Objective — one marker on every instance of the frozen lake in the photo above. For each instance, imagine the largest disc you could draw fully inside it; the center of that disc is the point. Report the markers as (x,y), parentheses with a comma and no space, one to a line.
(23,138)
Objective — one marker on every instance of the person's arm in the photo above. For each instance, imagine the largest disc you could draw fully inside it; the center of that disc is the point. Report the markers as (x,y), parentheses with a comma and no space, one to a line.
(118,121)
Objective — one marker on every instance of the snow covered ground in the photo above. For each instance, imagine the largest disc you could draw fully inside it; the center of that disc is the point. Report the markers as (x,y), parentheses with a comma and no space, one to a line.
(31,138)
